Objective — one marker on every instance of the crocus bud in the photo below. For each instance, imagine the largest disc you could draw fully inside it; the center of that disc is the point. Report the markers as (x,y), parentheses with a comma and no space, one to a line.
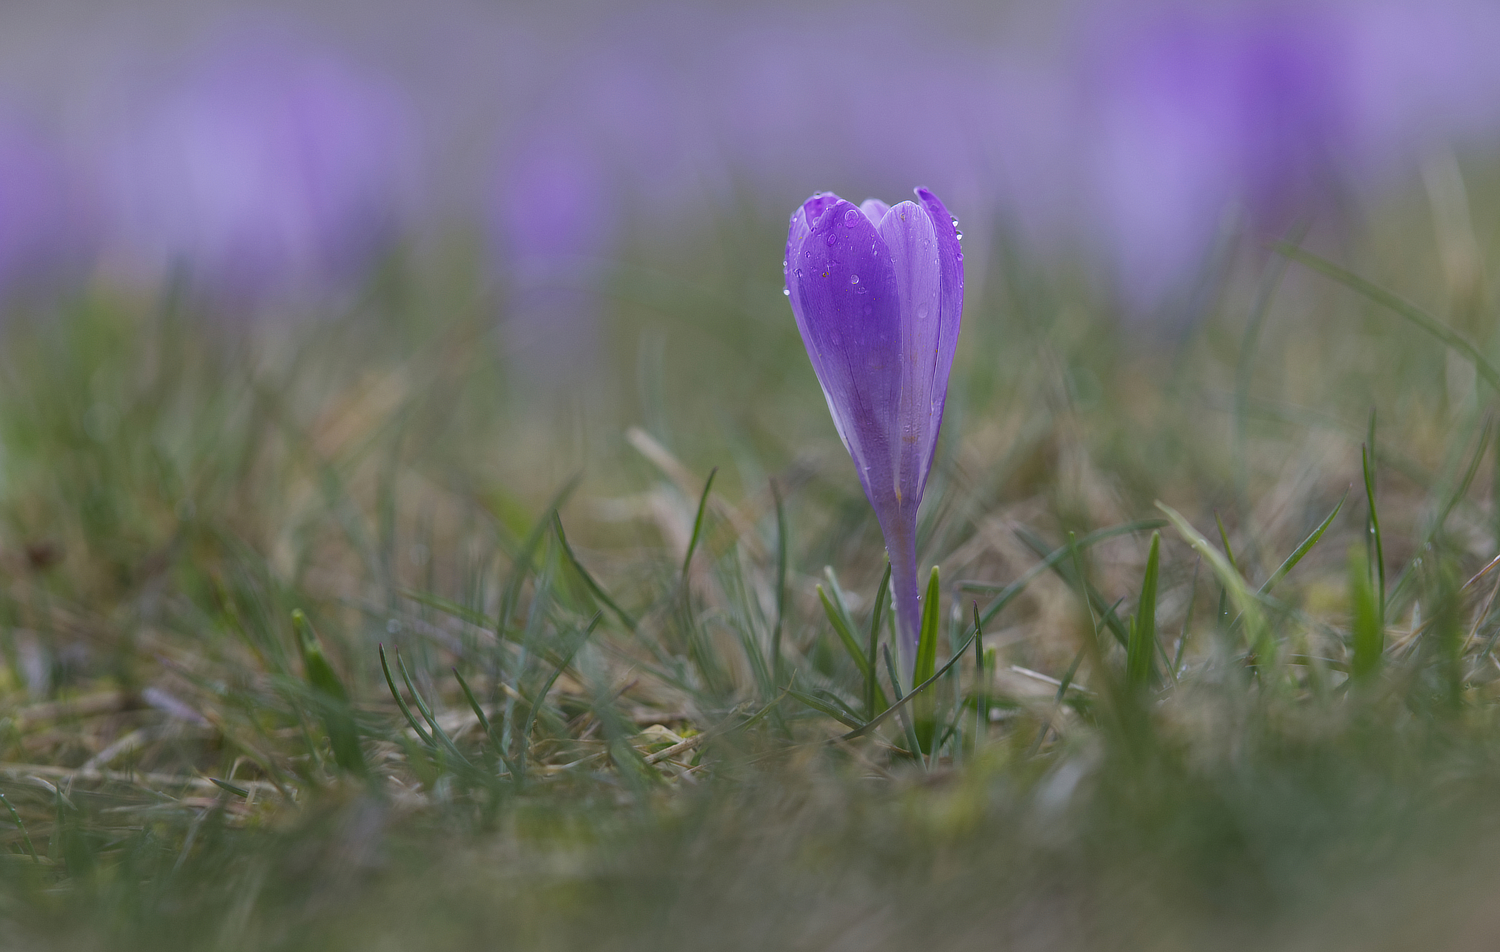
(878,292)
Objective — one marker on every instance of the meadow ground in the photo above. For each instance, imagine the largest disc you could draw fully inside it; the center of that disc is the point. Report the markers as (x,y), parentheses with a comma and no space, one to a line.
(625,710)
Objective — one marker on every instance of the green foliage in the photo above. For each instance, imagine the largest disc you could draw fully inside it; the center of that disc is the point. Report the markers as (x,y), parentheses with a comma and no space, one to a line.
(1274,722)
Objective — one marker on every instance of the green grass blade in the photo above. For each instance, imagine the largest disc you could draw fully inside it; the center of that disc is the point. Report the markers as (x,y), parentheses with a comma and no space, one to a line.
(588,578)
(1368,634)
(522,566)
(1234,584)
(829,704)
(1187,620)
(1400,306)
(338,718)
(840,622)
(1070,570)
(781,564)
(873,690)
(902,700)
(924,712)
(1302,550)
(401,702)
(708,486)
(1224,538)
(899,707)
(427,715)
(25,836)
(540,696)
(229,787)
(1367,457)
(981,684)
(1140,654)
(927,642)
(484,722)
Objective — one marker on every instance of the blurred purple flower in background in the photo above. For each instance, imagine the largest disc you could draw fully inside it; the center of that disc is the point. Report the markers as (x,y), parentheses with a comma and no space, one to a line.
(44,220)
(1140,133)
(269,166)
(1198,113)
(878,294)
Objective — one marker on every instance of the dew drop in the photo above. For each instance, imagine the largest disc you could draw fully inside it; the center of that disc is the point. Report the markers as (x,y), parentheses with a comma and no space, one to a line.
(798,272)
(959,234)
(851,217)
(787,291)
(922,312)
(830,239)
(853,279)
(783,266)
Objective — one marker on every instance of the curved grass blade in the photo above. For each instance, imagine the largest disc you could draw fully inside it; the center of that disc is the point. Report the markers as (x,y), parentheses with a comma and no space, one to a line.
(1302,550)
(1366,628)
(338,719)
(901,699)
(781,560)
(588,579)
(899,707)
(522,565)
(427,715)
(873,690)
(484,722)
(1224,538)
(708,486)
(25,836)
(1004,595)
(1140,653)
(829,704)
(539,697)
(838,617)
(1399,305)
(981,685)
(1234,584)
(453,609)
(1367,457)
(1079,582)
(1187,619)
(924,711)
(231,788)
(401,702)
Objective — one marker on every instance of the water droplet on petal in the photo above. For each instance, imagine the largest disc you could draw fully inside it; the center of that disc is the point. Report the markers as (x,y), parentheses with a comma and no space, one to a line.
(922,312)
(787,291)
(831,239)
(853,279)
(851,217)
(798,272)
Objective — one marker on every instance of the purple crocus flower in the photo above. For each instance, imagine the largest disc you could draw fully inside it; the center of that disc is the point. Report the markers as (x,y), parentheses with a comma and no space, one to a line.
(878,292)
(270,166)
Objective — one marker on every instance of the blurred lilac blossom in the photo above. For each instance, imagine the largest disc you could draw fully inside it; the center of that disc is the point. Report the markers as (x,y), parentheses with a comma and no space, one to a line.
(878,296)
(1131,130)
(44,217)
(1195,114)
(270,165)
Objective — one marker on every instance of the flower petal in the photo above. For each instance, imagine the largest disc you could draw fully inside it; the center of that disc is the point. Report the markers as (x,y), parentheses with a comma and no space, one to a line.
(844,294)
(909,234)
(802,221)
(951,260)
(875,210)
